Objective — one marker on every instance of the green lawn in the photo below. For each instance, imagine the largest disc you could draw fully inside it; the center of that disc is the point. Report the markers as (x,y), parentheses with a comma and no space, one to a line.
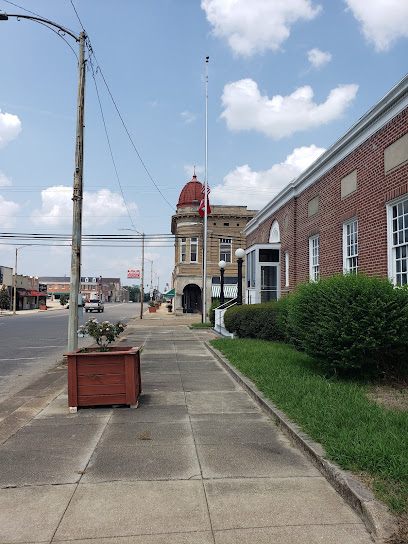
(358,434)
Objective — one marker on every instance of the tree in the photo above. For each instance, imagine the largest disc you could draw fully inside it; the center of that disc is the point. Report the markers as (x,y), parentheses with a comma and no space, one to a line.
(134,292)
(64,299)
(4,298)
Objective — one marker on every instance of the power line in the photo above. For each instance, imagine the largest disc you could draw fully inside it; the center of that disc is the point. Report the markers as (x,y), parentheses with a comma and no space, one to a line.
(99,70)
(108,140)
(76,13)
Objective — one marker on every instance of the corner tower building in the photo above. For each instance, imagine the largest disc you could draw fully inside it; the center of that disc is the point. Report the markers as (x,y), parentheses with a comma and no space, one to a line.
(225,225)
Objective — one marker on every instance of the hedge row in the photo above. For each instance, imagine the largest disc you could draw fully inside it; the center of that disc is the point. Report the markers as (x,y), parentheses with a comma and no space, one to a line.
(348,322)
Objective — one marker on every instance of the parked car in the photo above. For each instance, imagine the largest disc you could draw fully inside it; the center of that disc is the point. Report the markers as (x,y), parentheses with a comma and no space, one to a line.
(94,305)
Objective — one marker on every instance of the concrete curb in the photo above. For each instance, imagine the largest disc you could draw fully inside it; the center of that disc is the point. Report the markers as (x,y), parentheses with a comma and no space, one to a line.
(374,514)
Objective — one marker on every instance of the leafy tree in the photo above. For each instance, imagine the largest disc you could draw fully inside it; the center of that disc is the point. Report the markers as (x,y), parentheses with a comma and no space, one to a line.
(4,298)
(64,299)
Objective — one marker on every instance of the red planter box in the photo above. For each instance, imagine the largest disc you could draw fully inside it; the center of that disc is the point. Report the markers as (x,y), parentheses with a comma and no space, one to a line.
(98,378)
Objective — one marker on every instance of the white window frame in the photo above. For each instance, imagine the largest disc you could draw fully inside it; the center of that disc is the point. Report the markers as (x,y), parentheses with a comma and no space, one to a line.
(183,250)
(393,247)
(226,255)
(194,242)
(350,246)
(314,258)
(253,294)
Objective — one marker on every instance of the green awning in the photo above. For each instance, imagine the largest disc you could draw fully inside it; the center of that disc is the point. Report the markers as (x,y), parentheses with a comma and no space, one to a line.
(169,294)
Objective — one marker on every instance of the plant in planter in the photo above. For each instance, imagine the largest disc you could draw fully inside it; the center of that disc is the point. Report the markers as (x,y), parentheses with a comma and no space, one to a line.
(104,333)
(152,306)
(169,307)
(103,375)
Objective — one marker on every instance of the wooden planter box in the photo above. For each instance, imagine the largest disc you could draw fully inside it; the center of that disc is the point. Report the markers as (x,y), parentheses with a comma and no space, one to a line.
(100,378)
(152,310)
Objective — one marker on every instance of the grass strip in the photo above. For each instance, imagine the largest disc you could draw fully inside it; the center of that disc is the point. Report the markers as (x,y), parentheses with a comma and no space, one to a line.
(356,433)
(201,325)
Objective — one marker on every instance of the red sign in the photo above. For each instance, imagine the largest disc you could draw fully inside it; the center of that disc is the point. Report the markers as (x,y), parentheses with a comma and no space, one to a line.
(133,274)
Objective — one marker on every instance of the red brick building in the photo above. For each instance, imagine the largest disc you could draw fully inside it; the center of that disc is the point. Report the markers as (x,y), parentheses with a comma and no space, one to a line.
(347,212)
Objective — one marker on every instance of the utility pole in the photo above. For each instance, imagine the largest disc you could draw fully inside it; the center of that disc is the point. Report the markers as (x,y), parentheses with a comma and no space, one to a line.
(77,206)
(141,287)
(15,284)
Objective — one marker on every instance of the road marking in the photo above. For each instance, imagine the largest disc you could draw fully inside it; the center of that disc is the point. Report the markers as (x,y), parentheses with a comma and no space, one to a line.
(24,359)
(39,347)
(54,316)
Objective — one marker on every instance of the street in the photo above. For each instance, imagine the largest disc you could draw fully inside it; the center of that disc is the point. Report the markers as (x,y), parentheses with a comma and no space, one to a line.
(34,342)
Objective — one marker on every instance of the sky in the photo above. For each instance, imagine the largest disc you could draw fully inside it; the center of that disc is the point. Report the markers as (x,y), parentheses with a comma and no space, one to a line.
(286,79)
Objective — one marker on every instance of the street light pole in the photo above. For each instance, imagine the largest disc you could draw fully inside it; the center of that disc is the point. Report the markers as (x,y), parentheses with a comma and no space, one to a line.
(78,177)
(15,281)
(239,254)
(222,265)
(77,203)
(143,258)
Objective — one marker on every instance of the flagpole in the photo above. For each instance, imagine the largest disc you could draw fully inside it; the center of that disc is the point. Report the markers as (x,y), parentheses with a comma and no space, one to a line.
(205,196)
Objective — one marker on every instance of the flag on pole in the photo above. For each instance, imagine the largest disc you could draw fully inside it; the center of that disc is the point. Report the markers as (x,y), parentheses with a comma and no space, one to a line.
(201,208)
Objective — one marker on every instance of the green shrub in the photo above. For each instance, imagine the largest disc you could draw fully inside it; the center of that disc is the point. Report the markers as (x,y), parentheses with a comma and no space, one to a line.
(352,322)
(254,321)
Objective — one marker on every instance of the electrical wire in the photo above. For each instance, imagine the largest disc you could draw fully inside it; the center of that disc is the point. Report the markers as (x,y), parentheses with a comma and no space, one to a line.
(108,140)
(76,13)
(99,70)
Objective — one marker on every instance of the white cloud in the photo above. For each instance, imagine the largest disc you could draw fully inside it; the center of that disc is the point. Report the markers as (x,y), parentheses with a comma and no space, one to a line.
(188,117)
(256,26)
(318,58)
(10,127)
(4,180)
(99,208)
(383,21)
(281,116)
(8,209)
(255,189)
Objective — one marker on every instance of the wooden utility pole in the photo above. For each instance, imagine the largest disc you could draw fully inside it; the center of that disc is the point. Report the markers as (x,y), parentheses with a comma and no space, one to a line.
(77,206)
(141,286)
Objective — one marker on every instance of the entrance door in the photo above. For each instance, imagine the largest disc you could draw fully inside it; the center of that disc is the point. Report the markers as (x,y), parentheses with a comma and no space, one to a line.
(269,283)
(192,299)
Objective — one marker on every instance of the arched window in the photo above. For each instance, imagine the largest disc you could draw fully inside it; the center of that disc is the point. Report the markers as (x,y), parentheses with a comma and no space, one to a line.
(274,235)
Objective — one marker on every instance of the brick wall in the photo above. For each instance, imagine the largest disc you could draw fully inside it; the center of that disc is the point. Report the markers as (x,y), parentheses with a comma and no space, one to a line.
(367,203)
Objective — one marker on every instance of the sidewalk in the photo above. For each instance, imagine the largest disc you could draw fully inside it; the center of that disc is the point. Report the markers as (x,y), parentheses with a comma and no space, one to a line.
(197,463)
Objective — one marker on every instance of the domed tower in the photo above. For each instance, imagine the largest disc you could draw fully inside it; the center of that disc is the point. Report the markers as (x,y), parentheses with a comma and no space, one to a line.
(190,196)
(187,225)
(224,235)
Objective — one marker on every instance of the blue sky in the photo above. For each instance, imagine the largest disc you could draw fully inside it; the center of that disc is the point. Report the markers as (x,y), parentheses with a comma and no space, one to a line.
(286,80)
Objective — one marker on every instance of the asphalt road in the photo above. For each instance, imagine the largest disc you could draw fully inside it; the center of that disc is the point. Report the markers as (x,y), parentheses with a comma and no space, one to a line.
(31,343)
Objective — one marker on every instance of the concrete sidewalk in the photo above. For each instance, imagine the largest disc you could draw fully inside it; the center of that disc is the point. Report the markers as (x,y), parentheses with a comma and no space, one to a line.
(197,463)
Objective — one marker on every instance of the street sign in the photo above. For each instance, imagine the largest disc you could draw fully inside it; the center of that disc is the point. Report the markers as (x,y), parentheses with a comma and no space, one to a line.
(133,274)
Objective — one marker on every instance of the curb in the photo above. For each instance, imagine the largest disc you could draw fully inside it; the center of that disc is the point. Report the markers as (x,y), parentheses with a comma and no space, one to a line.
(374,514)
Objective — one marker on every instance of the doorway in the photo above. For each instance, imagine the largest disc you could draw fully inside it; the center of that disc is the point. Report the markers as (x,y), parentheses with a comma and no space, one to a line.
(191,299)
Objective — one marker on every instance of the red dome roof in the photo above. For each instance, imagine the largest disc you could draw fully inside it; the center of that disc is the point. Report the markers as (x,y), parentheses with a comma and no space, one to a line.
(191,194)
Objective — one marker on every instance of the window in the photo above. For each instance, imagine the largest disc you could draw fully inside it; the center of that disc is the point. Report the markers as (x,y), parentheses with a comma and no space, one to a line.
(63,286)
(250,270)
(183,250)
(193,250)
(314,258)
(350,246)
(225,250)
(398,241)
